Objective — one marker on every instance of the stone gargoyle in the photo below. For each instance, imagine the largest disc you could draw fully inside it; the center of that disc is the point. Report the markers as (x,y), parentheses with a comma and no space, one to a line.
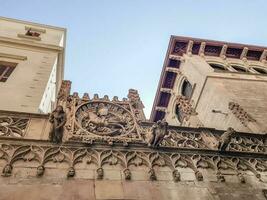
(157,133)
(225,139)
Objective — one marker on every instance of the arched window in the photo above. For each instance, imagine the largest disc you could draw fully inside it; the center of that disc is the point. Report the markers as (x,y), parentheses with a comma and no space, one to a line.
(179,113)
(186,89)
(238,68)
(260,70)
(217,66)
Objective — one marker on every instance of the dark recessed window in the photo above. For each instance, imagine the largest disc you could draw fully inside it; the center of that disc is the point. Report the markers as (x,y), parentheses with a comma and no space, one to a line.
(260,70)
(179,113)
(174,63)
(6,69)
(217,66)
(187,89)
(180,48)
(238,68)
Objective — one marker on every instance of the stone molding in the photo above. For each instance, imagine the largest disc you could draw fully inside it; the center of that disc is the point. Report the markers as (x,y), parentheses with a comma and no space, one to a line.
(42,154)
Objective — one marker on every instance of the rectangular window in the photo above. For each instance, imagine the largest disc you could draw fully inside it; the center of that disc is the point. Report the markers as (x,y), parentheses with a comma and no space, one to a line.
(6,68)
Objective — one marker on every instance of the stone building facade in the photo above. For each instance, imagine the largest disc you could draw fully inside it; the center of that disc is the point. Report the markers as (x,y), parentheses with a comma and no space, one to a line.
(90,147)
(213,84)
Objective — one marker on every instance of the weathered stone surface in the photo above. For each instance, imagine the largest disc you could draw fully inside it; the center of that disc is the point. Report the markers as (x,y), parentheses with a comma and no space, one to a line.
(108,190)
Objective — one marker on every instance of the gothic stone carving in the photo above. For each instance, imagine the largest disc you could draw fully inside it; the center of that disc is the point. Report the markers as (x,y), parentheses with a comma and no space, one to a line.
(58,120)
(225,139)
(176,175)
(157,133)
(205,139)
(240,113)
(71,172)
(40,170)
(186,107)
(13,126)
(264,191)
(102,120)
(100,173)
(64,92)
(187,139)
(248,144)
(137,104)
(127,174)
(7,170)
(127,159)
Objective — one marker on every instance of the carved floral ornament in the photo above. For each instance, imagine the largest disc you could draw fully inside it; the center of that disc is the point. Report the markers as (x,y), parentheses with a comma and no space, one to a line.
(126,160)
(13,126)
(185,106)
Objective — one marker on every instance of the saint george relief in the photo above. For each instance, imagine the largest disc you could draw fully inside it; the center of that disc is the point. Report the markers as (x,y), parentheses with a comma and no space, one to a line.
(104,119)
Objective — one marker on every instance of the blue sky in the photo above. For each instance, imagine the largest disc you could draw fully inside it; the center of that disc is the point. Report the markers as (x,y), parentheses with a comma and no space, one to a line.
(114,45)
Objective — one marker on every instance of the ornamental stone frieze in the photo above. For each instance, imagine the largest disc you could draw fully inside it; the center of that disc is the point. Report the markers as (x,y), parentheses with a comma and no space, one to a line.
(13,126)
(24,125)
(42,155)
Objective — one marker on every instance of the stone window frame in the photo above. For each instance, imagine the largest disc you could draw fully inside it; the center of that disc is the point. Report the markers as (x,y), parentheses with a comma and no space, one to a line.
(9,68)
(178,91)
(233,67)
(219,64)
(186,83)
(255,67)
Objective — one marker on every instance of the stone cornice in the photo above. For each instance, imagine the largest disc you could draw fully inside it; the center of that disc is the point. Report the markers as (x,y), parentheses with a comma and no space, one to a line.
(41,153)
(30,43)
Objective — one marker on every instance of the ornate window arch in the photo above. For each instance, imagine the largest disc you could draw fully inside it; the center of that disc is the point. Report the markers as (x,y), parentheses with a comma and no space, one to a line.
(259,69)
(218,66)
(238,68)
(186,89)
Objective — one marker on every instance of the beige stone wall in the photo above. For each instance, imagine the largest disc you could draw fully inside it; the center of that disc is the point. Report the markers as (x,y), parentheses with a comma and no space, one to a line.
(251,95)
(214,90)
(24,89)
(84,186)
(34,83)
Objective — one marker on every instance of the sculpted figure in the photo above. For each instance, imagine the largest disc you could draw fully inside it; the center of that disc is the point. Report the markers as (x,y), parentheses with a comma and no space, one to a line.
(199,176)
(220,177)
(265,193)
(241,178)
(127,174)
(7,170)
(32,33)
(226,139)
(152,174)
(100,173)
(157,133)
(71,172)
(176,175)
(40,170)
(58,120)
(101,119)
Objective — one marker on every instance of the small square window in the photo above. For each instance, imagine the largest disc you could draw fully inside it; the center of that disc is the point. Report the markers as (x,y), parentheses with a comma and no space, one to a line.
(6,69)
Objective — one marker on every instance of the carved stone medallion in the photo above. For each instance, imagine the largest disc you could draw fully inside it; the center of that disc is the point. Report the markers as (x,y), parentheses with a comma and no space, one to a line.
(103,118)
